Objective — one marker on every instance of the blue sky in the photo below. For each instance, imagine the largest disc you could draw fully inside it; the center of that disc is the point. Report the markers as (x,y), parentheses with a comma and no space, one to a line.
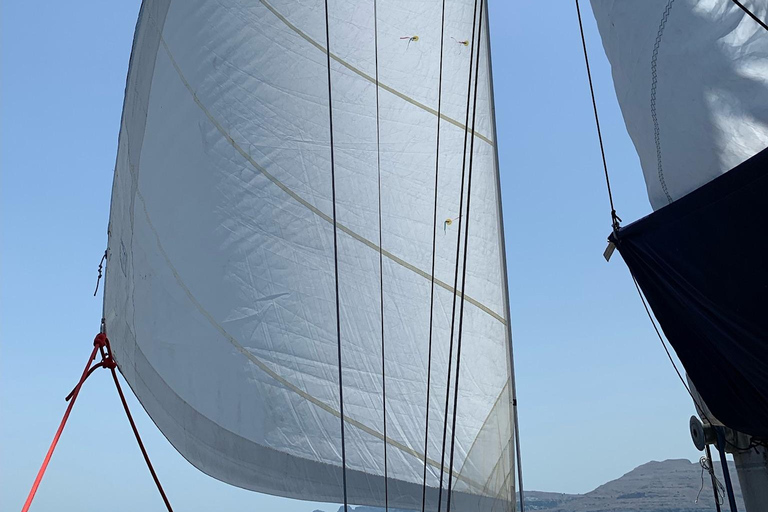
(597,394)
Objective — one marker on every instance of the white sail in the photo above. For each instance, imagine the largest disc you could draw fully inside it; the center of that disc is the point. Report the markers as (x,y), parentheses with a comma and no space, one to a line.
(220,298)
(691,77)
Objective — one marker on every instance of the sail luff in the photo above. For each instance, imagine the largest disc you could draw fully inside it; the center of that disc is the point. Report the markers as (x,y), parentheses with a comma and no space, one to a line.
(515,460)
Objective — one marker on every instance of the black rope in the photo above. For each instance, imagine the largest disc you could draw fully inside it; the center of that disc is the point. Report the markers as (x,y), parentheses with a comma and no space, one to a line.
(456,272)
(615,220)
(336,259)
(751,14)
(381,256)
(432,273)
(101,267)
(464,263)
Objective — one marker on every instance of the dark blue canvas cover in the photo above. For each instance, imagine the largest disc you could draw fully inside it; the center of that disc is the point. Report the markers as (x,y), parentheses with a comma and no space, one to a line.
(702,263)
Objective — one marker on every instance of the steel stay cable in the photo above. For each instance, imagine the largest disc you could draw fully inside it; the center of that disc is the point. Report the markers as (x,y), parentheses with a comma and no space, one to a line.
(699,407)
(336,262)
(381,257)
(464,263)
(615,220)
(456,271)
(666,349)
(432,272)
(751,14)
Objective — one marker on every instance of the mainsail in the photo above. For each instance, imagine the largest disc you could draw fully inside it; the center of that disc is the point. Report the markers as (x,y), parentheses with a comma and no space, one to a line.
(691,77)
(258,252)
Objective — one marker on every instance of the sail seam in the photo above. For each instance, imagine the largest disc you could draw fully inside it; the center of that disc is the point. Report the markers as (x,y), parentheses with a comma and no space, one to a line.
(365,75)
(654,84)
(485,422)
(310,206)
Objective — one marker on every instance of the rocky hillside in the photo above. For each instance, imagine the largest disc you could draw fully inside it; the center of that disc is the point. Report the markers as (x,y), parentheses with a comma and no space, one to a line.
(669,486)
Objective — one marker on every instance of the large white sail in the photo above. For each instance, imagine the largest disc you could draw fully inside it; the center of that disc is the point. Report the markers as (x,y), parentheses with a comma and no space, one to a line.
(691,77)
(220,298)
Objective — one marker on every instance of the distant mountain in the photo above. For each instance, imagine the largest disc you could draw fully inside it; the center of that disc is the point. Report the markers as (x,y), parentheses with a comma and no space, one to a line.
(669,486)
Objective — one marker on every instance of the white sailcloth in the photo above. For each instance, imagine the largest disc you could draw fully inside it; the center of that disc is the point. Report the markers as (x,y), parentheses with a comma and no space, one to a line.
(691,77)
(220,297)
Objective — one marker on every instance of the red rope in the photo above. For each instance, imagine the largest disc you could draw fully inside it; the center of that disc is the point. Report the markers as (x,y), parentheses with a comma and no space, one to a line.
(112,367)
(48,455)
(100,344)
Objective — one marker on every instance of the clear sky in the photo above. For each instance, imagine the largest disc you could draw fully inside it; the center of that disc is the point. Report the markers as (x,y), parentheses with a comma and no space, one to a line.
(597,394)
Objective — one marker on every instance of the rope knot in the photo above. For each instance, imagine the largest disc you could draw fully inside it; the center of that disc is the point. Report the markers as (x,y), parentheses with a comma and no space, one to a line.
(100,340)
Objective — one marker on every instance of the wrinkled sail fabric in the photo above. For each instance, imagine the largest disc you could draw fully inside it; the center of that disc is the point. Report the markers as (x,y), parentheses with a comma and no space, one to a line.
(713,308)
(691,77)
(220,297)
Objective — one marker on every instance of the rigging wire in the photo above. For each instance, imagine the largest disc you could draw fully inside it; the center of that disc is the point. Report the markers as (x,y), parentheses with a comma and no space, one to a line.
(699,407)
(615,220)
(432,273)
(381,257)
(666,348)
(751,14)
(336,260)
(456,272)
(464,263)
(753,443)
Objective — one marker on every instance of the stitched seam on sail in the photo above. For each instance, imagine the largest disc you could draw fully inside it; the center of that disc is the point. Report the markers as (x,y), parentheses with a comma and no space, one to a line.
(269,371)
(367,76)
(654,83)
(485,422)
(310,206)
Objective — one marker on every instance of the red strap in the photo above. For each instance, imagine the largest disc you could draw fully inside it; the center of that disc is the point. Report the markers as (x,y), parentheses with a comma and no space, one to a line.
(100,344)
(47,459)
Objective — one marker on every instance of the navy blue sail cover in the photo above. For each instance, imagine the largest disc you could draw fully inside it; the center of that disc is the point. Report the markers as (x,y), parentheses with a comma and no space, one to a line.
(702,263)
